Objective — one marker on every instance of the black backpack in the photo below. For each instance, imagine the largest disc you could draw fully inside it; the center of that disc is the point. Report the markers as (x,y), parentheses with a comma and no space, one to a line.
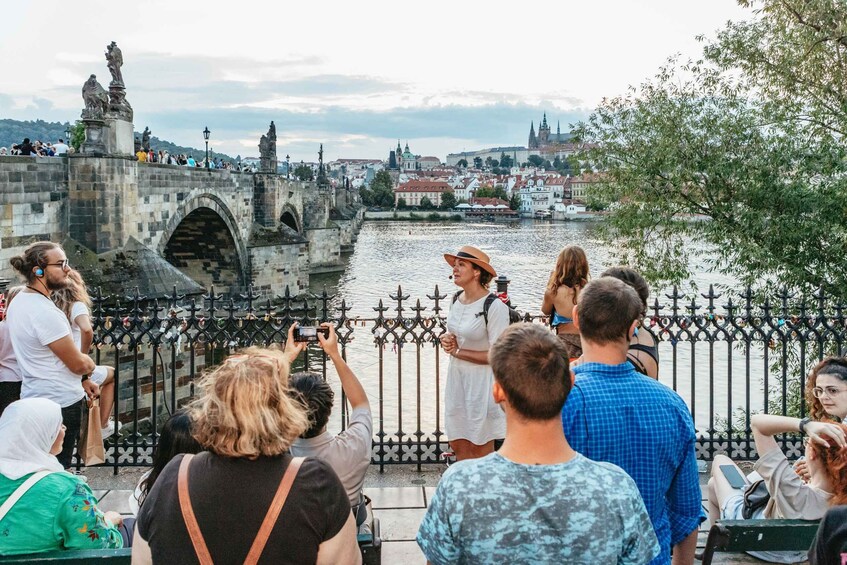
(514,315)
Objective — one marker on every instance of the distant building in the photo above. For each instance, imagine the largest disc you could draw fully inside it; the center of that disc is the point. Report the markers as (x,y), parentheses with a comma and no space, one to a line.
(545,139)
(428,163)
(415,190)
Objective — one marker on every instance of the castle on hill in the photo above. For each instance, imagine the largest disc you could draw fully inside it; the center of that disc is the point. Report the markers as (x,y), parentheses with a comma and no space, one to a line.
(545,139)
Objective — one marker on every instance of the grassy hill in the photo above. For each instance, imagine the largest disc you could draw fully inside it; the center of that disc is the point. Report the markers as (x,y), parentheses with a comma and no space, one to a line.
(14,131)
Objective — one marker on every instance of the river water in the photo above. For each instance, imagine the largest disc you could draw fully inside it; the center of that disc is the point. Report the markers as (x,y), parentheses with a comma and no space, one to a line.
(409,255)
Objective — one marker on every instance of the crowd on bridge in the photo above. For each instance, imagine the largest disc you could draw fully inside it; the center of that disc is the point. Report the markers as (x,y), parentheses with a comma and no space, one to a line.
(187,160)
(37,149)
(568,449)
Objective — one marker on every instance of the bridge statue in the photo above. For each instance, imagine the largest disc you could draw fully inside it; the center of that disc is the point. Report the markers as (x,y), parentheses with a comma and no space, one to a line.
(96,99)
(145,139)
(114,61)
(267,151)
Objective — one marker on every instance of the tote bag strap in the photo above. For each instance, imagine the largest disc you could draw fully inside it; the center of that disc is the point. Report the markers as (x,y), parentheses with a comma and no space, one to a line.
(20,491)
(268,523)
(273,512)
(188,514)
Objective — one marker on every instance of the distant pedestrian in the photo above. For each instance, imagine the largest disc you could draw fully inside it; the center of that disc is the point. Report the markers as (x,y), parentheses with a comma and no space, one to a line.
(26,149)
(60,148)
(566,281)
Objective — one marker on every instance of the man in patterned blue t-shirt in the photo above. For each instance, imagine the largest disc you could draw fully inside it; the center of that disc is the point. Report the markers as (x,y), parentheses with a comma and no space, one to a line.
(618,415)
(536,500)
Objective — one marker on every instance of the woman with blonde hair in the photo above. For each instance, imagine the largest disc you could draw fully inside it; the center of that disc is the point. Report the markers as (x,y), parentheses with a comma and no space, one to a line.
(566,281)
(246,497)
(74,301)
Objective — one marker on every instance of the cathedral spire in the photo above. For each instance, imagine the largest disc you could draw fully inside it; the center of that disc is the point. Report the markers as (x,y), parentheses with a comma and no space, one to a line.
(558,129)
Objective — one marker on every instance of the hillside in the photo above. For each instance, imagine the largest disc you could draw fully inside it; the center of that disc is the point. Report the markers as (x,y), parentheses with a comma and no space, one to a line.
(14,131)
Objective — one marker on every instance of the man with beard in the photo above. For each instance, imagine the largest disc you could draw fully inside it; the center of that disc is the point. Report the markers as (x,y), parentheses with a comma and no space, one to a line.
(52,366)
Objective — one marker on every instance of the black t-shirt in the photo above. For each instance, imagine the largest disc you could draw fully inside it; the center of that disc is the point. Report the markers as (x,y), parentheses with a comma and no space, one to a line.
(230,498)
(830,546)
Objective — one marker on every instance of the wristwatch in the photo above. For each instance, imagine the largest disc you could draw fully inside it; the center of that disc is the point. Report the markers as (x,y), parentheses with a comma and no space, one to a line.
(84,378)
(803,423)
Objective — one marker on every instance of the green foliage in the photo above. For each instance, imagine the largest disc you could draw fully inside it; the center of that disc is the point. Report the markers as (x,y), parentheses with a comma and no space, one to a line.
(515,201)
(77,135)
(435,216)
(751,139)
(463,163)
(477,162)
(14,131)
(535,160)
(492,192)
(304,172)
(381,192)
(448,201)
(401,203)
(506,161)
(426,204)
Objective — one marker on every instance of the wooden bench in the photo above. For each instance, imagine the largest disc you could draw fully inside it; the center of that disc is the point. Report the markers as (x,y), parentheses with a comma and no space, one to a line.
(759,535)
(73,557)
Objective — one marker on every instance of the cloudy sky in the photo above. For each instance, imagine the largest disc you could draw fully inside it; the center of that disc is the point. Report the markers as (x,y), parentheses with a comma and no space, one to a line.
(356,76)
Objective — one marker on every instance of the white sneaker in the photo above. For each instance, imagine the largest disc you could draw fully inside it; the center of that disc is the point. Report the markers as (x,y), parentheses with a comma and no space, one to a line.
(111,428)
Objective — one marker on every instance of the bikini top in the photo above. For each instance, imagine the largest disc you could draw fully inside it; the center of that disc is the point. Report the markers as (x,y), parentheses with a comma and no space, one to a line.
(651,350)
(557,320)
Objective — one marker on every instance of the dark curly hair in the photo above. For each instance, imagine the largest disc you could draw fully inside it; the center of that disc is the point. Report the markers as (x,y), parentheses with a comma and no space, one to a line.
(35,255)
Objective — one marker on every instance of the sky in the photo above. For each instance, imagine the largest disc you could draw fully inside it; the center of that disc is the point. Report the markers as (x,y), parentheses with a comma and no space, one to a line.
(355,76)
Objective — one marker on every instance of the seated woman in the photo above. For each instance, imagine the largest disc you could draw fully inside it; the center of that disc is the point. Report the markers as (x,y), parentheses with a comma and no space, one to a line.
(568,277)
(59,511)
(790,497)
(643,350)
(176,438)
(228,504)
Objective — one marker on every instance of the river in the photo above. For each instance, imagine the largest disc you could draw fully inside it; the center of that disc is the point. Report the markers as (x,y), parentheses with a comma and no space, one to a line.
(409,255)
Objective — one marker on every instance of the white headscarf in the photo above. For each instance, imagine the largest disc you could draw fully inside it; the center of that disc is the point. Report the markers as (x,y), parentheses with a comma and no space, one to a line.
(28,429)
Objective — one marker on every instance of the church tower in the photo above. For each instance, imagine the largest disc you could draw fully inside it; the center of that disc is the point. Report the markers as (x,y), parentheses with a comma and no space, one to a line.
(544,131)
(533,142)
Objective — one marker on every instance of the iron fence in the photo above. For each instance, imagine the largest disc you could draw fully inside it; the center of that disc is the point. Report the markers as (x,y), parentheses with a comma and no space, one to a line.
(727,356)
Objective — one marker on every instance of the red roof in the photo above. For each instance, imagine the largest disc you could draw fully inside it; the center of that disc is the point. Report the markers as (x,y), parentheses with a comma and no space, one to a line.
(424,186)
(486,201)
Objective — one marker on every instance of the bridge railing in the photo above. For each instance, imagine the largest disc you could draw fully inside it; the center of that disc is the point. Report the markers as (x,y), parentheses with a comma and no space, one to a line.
(727,356)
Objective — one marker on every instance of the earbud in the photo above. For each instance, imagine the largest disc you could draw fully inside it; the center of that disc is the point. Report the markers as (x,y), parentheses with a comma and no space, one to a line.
(39,272)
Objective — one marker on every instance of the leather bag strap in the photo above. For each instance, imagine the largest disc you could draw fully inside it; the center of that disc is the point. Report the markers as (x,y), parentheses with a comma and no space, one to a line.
(268,523)
(188,517)
(273,512)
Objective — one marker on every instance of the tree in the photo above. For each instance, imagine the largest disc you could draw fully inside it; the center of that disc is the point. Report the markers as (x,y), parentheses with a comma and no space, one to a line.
(535,160)
(304,172)
(749,138)
(401,203)
(448,201)
(382,188)
(426,204)
(77,135)
(515,201)
(489,162)
(506,161)
(477,162)
(463,163)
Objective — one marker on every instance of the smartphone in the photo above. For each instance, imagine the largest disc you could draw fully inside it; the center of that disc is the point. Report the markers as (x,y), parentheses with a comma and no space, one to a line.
(735,478)
(309,333)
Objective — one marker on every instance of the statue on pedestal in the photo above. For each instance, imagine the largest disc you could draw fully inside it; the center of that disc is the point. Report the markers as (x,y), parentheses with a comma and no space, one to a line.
(267,151)
(114,61)
(145,139)
(96,99)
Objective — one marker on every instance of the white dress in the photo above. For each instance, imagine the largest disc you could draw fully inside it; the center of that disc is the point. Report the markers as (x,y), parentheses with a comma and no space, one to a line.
(470,411)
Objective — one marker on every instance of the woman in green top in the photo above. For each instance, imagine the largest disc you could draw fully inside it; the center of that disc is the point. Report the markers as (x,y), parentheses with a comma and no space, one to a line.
(57,512)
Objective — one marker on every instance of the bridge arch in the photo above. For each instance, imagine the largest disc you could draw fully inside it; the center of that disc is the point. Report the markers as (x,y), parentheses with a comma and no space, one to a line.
(203,241)
(291,218)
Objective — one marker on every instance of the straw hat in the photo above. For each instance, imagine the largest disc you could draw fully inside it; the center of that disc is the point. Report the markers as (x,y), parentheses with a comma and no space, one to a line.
(472,255)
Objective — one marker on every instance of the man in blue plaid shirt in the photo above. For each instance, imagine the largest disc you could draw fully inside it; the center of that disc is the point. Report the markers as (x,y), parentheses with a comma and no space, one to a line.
(618,415)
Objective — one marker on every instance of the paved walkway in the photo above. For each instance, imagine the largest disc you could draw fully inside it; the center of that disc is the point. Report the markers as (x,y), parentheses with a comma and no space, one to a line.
(399,507)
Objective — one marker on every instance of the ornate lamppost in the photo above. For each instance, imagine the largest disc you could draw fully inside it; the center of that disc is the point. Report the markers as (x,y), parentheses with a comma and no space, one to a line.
(288,166)
(206,134)
(68,133)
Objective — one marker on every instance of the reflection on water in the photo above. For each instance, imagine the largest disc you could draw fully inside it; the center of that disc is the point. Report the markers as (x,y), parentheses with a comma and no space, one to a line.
(409,255)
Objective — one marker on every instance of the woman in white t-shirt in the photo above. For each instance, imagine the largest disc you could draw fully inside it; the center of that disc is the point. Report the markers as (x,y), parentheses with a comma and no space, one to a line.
(10,371)
(74,301)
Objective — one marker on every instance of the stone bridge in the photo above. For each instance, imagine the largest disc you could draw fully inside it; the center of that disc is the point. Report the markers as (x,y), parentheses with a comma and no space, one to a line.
(154,226)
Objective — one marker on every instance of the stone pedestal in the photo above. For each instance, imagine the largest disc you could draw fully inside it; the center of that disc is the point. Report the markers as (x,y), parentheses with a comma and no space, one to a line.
(119,139)
(96,133)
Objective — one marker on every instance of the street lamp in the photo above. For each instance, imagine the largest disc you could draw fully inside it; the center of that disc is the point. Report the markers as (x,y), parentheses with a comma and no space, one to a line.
(288,166)
(68,133)
(206,134)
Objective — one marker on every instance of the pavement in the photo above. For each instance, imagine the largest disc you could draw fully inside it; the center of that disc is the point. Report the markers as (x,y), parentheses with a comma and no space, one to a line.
(400,496)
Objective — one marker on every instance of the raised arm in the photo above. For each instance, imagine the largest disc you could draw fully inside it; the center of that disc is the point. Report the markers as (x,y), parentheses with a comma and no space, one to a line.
(765,426)
(351,385)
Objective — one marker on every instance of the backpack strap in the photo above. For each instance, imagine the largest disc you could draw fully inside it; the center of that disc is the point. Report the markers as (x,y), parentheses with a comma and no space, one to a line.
(20,491)
(456,296)
(489,300)
(268,523)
